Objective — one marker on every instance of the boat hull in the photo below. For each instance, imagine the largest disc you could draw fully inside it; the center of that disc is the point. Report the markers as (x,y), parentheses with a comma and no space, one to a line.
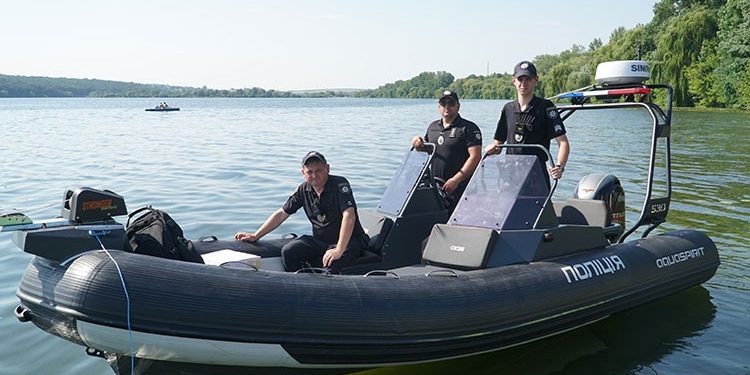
(194,313)
(170,109)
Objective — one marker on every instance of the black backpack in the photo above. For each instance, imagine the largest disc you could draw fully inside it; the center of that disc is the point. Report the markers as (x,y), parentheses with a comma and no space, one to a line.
(155,233)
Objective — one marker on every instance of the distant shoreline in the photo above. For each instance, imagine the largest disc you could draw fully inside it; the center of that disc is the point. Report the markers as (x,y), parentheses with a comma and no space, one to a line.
(426,85)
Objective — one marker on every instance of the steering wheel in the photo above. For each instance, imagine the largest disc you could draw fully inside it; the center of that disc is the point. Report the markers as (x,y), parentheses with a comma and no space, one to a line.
(448,198)
(432,181)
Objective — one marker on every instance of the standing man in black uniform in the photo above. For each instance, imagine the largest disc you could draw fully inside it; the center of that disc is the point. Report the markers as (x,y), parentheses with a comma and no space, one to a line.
(458,146)
(338,238)
(531,120)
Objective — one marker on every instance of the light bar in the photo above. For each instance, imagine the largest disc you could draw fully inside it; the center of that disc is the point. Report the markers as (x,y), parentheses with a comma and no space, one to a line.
(580,94)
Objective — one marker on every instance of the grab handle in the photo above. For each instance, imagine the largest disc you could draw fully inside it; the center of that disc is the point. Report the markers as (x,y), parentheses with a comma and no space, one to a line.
(382,273)
(315,270)
(449,273)
(132,214)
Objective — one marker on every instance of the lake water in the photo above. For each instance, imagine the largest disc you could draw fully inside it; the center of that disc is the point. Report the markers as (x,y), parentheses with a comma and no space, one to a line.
(222,165)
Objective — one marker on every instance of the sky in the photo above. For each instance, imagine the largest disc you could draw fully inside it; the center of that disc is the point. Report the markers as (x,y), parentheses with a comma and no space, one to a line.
(295,44)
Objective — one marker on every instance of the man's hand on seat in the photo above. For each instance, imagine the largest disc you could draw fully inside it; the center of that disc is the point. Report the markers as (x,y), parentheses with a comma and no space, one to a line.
(331,255)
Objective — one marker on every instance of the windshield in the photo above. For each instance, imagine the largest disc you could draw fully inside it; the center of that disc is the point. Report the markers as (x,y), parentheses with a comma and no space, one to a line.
(506,192)
(403,182)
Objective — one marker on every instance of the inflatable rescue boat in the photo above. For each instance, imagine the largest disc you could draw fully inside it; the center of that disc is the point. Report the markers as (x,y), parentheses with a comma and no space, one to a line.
(508,266)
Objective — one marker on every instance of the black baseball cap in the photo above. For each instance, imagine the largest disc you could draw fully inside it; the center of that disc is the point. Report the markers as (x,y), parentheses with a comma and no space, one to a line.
(314,155)
(448,95)
(524,68)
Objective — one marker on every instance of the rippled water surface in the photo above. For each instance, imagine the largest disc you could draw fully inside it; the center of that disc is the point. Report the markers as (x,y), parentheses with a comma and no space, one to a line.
(222,165)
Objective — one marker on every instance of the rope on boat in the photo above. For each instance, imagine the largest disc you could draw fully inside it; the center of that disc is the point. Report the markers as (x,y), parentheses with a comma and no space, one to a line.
(38,208)
(96,235)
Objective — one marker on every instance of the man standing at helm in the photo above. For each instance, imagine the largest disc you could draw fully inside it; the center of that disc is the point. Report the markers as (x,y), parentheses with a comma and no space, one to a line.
(458,146)
(531,120)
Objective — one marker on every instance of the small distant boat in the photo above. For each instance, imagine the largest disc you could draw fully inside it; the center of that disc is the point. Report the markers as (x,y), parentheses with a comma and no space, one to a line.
(165,109)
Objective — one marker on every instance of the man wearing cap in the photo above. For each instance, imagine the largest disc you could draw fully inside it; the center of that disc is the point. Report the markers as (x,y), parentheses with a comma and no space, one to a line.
(458,146)
(337,239)
(531,120)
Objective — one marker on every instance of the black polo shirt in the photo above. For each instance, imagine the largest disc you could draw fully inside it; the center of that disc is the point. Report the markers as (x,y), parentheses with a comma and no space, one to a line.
(452,145)
(325,212)
(539,123)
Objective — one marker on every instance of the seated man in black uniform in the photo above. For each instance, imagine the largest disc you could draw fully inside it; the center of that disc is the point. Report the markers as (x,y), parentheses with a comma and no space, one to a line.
(338,238)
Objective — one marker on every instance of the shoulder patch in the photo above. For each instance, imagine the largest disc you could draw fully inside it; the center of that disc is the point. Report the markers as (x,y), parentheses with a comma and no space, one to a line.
(559,129)
(478,135)
(298,189)
(552,113)
(344,188)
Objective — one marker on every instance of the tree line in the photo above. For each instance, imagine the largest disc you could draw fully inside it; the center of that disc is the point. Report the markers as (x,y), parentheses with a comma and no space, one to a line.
(23,87)
(700,47)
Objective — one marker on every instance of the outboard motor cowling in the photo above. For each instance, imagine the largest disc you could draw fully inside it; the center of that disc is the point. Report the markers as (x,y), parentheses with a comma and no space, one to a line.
(86,205)
(86,224)
(607,188)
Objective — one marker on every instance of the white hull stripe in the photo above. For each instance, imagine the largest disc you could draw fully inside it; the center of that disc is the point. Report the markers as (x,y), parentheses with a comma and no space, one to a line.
(184,349)
(214,352)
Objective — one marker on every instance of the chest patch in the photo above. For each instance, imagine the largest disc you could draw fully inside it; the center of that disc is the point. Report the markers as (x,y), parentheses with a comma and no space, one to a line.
(441,139)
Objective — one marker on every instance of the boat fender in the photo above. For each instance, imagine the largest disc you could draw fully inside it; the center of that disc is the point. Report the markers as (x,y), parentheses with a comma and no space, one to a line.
(23,314)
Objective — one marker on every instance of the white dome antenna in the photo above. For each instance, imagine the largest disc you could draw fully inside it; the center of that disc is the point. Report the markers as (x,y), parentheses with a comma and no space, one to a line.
(622,72)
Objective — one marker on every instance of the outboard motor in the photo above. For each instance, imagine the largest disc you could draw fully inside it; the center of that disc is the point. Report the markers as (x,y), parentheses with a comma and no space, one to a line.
(87,205)
(87,219)
(607,188)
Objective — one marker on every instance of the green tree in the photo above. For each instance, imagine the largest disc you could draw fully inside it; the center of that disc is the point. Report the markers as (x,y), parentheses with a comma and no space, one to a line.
(702,77)
(424,85)
(595,44)
(679,45)
(733,50)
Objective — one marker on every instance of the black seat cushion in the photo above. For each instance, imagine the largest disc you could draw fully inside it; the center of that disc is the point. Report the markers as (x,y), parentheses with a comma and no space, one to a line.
(377,226)
(584,212)
(367,257)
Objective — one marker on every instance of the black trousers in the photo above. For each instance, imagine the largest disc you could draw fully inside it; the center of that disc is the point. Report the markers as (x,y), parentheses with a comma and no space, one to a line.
(307,251)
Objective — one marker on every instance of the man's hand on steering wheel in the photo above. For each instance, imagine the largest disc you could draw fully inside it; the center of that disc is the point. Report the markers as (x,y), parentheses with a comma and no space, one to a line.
(450,185)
